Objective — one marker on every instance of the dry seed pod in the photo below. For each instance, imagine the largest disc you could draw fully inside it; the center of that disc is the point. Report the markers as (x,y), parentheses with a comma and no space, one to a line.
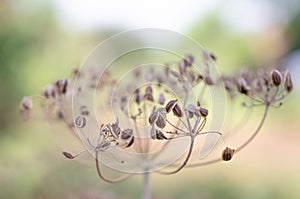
(131,141)
(203,112)
(153,117)
(182,67)
(115,130)
(288,81)
(227,154)
(149,96)
(276,78)
(242,86)
(188,59)
(80,121)
(208,80)
(104,145)
(126,134)
(161,99)
(213,56)
(160,122)
(160,135)
(138,98)
(26,104)
(84,110)
(68,155)
(62,86)
(171,104)
(177,111)
(149,89)
(50,91)
(153,133)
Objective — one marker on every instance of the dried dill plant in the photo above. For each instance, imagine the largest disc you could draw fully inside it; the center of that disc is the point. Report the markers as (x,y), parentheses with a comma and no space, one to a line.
(152,122)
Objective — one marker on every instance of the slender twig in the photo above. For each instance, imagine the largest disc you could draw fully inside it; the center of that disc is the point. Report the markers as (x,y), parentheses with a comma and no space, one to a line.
(146,185)
(185,161)
(122,178)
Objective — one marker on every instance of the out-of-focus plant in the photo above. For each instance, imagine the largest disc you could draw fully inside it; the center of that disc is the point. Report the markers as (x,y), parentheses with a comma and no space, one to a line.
(154,129)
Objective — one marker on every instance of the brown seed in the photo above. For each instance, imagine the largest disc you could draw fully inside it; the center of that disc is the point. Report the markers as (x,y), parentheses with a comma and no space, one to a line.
(177,111)
(288,81)
(149,89)
(203,111)
(171,104)
(126,134)
(153,133)
(62,86)
(50,91)
(149,96)
(276,78)
(182,67)
(84,110)
(160,135)
(138,98)
(160,122)
(242,86)
(153,117)
(189,59)
(68,155)
(227,154)
(208,80)
(131,141)
(161,99)
(213,57)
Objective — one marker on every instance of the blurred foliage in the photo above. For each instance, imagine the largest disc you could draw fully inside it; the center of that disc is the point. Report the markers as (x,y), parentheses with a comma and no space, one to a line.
(226,45)
(18,42)
(35,50)
(293,32)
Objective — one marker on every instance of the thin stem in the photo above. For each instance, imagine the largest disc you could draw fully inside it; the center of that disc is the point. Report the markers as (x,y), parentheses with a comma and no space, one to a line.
(256,132)
(122,178)
(146,185)
(185,161)
(177,128)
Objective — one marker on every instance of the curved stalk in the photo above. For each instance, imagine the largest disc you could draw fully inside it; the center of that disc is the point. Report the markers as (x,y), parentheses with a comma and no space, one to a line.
(185,161)
(122,178)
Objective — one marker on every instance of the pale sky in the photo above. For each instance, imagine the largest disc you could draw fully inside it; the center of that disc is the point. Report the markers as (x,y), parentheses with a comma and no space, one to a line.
(176,15)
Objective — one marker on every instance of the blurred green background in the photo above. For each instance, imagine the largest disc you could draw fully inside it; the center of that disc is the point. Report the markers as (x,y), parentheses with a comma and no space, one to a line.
(40,43)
